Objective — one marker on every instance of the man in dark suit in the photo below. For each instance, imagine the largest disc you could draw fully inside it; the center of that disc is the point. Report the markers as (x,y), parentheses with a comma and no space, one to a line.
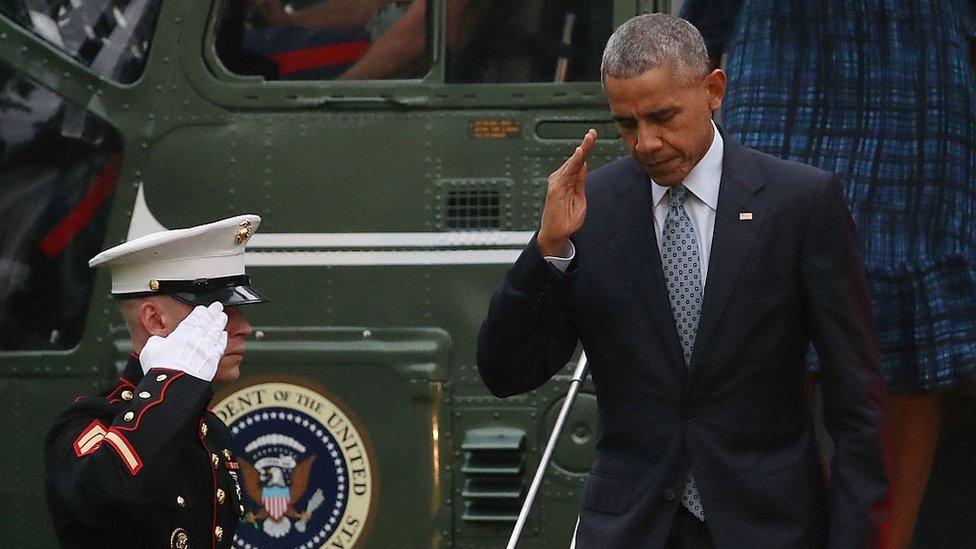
(696,272)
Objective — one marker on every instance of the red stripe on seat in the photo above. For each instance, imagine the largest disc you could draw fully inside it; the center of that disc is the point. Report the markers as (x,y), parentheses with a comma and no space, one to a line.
(58,239)
(293,61)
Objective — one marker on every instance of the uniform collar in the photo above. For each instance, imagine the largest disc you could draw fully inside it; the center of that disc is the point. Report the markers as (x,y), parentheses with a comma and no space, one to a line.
(704,179)
(133,370)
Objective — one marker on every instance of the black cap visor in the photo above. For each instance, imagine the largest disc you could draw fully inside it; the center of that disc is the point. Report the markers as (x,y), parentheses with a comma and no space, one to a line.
(231,291)
(230,297)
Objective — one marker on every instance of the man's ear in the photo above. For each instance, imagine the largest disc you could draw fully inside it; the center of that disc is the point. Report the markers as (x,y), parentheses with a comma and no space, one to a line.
(151,318)
(715,83)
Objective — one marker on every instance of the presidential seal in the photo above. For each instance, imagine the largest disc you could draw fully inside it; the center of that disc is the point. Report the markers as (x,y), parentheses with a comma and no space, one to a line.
(305,468)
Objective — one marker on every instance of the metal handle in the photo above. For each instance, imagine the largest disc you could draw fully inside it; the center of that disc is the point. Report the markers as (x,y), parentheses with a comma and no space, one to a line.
(578,376)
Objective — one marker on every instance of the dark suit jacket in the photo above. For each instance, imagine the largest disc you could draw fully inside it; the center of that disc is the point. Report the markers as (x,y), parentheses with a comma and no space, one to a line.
(738,415)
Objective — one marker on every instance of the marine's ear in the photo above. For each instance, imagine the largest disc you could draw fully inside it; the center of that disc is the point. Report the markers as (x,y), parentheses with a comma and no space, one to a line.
(151,318)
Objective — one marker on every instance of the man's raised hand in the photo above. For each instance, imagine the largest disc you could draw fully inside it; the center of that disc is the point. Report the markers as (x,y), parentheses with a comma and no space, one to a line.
(194,347)
(565,207)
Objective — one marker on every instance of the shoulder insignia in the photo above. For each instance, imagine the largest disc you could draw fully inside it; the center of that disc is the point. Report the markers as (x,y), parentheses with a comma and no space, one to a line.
(90,439)
(124,449)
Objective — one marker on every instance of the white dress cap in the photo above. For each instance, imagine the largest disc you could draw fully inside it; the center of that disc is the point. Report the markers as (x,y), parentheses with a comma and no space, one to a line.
(190,264)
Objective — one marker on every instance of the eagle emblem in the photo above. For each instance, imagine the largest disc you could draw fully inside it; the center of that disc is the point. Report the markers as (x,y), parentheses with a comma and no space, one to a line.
(275,484)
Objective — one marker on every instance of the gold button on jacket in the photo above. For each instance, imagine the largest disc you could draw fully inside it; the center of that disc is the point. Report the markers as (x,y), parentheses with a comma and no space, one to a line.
(179,539)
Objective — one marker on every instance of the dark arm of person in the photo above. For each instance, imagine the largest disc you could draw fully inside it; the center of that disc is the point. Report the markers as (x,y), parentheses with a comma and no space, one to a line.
(529,333)
(715,19)
(95,467)
(855,399)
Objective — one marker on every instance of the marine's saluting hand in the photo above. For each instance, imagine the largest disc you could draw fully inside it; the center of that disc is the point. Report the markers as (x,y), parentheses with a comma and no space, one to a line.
(194,347)
(565,207)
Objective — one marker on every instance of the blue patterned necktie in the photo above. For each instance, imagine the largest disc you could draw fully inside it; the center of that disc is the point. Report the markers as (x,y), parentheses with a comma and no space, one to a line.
(682,272)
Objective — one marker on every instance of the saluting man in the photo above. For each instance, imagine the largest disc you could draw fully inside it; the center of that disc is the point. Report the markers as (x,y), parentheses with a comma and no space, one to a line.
(695,272)
(145,464)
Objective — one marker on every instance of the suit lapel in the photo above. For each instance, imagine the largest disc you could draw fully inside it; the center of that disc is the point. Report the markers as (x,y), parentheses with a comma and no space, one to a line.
(732,240)
(639,248)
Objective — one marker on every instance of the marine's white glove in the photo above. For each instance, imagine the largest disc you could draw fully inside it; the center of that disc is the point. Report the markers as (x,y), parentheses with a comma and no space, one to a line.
(194,347)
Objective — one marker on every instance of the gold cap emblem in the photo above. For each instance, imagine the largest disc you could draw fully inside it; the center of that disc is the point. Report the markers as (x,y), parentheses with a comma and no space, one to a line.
(243,232)
(154,285)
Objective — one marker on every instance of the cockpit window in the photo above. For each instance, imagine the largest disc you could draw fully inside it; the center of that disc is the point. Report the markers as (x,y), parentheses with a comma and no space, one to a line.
(111,37)
(58,168)
(496,41)
(325,39)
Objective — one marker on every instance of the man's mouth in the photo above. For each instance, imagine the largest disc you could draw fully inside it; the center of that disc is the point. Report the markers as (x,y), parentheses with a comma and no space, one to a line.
(659,163)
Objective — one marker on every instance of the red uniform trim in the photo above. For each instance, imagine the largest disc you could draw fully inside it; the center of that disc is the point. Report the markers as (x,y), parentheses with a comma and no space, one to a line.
(125,383)
(58,239)
(173,376)
(293,61)
(213,476)
(125,450)
(90,439)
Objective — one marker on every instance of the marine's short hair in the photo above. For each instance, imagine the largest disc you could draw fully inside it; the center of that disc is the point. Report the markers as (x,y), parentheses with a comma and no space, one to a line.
(652,41)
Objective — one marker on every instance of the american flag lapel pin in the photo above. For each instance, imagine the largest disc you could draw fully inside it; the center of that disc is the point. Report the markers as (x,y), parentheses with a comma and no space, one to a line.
(745,216)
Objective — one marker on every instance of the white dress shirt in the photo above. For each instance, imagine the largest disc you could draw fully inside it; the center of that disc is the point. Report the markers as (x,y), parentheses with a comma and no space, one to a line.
(700,204)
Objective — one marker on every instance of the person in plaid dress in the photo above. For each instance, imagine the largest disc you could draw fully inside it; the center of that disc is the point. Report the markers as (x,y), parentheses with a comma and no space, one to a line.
(882,92)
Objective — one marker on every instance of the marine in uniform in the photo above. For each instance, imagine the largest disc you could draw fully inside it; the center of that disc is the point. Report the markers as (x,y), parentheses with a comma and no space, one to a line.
(145,463)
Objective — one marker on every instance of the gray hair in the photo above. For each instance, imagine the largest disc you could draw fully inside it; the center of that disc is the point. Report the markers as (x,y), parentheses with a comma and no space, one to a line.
(652,41)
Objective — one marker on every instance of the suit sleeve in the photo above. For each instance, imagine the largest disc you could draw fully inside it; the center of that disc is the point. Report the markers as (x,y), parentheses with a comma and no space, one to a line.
(529,332)
(715,19)
(855,400)
(94,466)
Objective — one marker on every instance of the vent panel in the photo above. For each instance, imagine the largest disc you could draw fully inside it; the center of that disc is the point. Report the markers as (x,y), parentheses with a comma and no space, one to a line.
(492,467)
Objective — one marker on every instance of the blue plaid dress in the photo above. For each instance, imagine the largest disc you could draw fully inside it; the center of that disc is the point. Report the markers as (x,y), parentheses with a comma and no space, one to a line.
(881,91)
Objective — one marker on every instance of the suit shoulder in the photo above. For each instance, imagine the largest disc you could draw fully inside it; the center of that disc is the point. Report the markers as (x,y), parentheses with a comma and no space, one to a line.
(600,181)
(789,174)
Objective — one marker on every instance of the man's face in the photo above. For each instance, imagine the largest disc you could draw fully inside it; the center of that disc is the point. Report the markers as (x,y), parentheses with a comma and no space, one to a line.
(665,118)
(238,328)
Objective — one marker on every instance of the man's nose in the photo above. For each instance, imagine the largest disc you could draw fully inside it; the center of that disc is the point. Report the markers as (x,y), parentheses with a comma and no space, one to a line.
(238,325)
(648,140)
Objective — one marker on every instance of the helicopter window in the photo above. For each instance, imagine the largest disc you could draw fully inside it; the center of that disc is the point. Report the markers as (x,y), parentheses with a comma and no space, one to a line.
(58,169)
(109,36)
(325,40)
(527,40)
